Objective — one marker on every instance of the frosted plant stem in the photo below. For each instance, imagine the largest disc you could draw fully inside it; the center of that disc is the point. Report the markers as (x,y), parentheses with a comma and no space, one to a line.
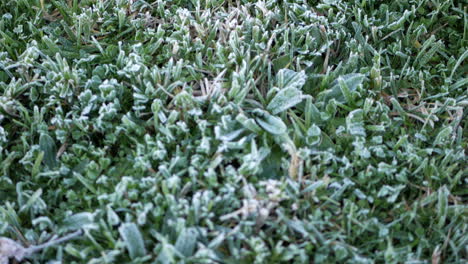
(33,249)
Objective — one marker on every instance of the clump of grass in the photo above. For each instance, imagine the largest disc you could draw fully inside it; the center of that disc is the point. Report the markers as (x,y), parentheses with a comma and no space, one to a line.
(214,131)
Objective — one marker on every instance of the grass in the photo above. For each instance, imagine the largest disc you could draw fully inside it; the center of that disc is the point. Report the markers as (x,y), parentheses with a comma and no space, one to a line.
(219,131)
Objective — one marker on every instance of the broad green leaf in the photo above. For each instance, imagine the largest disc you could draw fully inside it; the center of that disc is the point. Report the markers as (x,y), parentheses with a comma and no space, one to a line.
(248,123)
(47,145)
(355,123)
(112,217)
(270,123)
(443,136)
(133,240)
(78,221)
(290,79)
(285,99)
(349,81)
(312,114)
(187,241)
(281,62)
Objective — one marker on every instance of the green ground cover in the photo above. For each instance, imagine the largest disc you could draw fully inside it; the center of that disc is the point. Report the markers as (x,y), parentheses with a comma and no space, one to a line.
(233,131)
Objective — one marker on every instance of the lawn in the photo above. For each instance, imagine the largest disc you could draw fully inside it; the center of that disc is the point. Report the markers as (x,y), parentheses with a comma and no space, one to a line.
(233,131)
